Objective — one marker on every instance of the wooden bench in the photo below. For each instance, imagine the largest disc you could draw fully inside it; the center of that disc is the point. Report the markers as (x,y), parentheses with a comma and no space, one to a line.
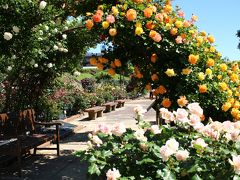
(120,103)
(110,106)
(94,112)
(21,134)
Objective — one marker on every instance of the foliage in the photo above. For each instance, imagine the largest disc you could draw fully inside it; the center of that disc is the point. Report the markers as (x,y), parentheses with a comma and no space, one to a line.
(38,43)
(167,51)
(183,148)
(88,84)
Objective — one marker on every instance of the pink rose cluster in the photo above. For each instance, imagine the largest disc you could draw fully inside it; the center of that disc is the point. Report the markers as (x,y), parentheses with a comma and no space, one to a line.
(117,129)
(171,147)
(139,111)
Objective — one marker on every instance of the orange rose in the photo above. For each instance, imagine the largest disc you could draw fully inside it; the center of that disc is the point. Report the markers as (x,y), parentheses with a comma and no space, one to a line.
(148,12)
(161,89)
(148,87)
(112,32)
(154,58)
(166,103)
(211,39)
(150,25)
(100,66)
(111,72)
(173,31)
(89,24)
(131,15)
(202,88)
(182,101)
(97,18)
(117,62)
(192,59)
(210,62)
(93,61)
(154,77)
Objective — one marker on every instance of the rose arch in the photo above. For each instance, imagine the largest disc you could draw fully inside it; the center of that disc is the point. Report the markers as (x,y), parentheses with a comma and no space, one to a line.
(168,53)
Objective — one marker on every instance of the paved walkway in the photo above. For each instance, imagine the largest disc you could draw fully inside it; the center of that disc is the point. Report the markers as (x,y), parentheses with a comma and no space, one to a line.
(47,166)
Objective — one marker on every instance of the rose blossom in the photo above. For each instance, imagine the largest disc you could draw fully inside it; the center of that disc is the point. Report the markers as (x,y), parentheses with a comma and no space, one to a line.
(139,134)
(172,144)
(113,174)
(194,120)
(165,152)
(42,4)
(118,129)
(182,155)
(228,126)
(200,142)
(139,110)
(16,29)
(194,108)
(235,162)
(181,13)
(155,129)
(110,18)
(179,40)
(96,140)
(181,115)
(7,36)
(166,115)
(103,129)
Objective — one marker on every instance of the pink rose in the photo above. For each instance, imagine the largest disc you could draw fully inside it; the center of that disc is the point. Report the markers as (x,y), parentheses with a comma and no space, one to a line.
(200,142)
(110,18)
(172,144)
(182,155)
(103,129)
(194,120)
(179,40)
(118,129)
(96,140)
(166,115)
(228,126)
(181,115)
(139,134)
(235,162)
(113,174)
(157,37)
(165,152)
(155,129)
(194,108)
(159,17)
(181,13)
(186,24)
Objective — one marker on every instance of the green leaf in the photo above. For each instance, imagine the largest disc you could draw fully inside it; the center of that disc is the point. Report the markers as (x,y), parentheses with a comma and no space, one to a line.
(93,169)
(145,161)
(166,174)
(196,177)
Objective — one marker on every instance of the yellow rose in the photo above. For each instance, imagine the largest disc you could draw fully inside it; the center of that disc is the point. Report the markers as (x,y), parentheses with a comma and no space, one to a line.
(229,92)
(138,31)
(234,77)
(173,31)
(105,24)
(200,39)
(223,67)
(170,72)
(219,77)
(203,33)
(235,112)
(208,71)
(192,59)
(179,24)
(115,10)
(236,104)
(182,101)
(223,86)
(212,49)
(226,106)
(168,8)
(211,39)
(201,76)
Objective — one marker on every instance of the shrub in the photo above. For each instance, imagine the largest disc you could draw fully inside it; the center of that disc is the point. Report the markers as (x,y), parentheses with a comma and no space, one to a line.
(184,148)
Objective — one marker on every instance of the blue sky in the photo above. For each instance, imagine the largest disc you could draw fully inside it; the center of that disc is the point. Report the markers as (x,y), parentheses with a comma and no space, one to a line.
(220,18)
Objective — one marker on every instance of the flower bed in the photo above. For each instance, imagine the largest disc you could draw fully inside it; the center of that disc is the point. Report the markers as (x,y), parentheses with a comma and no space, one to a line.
(183,148)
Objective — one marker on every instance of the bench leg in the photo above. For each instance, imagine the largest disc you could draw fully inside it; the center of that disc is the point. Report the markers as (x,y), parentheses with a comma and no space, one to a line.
(108,109)
(35,151)
(119,105)
(92,115)
(57,140)
(114,108)
(99,113)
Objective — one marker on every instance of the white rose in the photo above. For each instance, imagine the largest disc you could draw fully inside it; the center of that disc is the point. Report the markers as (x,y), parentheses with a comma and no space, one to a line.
(36,65)
(64,36)
(76,73)
(13,57)
(41,32)
(55,47)
(16,29)
(9,68)
(182,155)
(42,4)
(46,28)
(5,6)
(65,50)
(7,36)
(172,144)
(55,30)
(50,65)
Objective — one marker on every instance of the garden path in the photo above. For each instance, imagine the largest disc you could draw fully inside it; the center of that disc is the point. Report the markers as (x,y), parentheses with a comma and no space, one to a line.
(67,166)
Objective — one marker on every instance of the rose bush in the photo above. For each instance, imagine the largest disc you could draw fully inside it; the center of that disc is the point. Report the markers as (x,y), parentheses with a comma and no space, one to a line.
(168,51)
(183,148)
